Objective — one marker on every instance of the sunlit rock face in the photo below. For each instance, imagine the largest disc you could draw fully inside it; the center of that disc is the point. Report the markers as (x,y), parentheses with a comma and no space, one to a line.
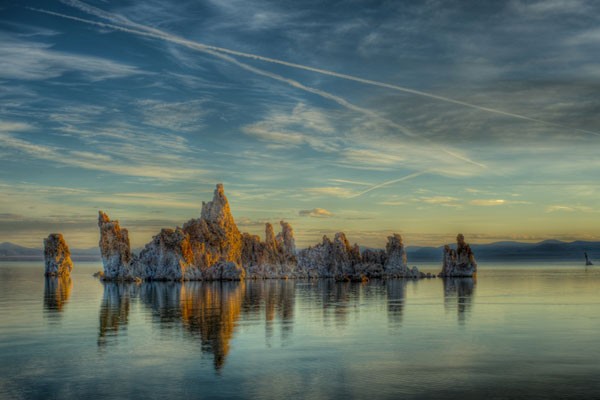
(214,236)
(57,257)
(459,262)
(169,256)
(115,250)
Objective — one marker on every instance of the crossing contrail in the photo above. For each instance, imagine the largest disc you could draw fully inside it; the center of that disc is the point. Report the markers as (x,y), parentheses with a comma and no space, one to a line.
(154,33)
(157,34)
(115,18)
(380,185)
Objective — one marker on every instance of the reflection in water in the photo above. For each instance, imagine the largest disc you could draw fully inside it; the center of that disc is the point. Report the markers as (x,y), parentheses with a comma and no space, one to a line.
(209,311)
(206,310)
(114,311)
(462,289)
(278,299)
(396,294)
(57,291)
(338,298)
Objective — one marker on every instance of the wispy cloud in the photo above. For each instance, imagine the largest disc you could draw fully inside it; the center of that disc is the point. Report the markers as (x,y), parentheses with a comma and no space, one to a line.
(127,25)
(569,208)
(305,125)
(316,213)
(28,60)
(182,116)
(97,162)
(488,202)
(334,191)
(441,200)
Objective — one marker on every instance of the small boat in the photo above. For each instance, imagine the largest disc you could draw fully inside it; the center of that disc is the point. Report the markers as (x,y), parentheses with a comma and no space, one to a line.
(587,259)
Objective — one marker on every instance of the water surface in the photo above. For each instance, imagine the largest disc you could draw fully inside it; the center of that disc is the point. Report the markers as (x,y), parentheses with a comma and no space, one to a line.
(517,331)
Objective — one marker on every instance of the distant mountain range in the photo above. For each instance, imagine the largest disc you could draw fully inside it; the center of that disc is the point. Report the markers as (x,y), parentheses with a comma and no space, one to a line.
(14,252)
(548,250)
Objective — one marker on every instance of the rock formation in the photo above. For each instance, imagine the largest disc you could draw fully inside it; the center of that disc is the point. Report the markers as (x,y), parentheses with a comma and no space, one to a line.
(330,259)
(214,236)
(395,265)
(273,258)
(340,260)
(460,262)
(212,248)
(115,250)
(168,257)
(287,242)
(57,257)
(207,248)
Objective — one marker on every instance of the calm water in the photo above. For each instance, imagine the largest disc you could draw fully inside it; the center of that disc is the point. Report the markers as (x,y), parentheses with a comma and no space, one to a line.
(518,331)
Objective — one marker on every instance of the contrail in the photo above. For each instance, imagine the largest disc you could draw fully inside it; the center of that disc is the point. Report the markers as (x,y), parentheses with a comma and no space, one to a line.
(157,34)
(380,185)
(122,20)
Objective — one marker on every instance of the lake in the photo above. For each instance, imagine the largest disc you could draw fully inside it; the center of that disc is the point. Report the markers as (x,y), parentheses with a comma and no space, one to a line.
(517,331)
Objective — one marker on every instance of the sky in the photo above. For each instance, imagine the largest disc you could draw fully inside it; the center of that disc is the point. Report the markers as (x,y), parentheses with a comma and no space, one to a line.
(423,118)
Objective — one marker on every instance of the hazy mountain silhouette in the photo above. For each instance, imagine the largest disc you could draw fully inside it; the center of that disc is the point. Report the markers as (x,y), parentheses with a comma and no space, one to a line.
(10,251)
(546,250)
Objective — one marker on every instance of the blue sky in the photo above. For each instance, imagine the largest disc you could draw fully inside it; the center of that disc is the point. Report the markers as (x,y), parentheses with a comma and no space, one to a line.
(423,118)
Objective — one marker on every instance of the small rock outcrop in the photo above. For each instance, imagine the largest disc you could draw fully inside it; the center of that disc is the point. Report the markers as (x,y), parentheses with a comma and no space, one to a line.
(57,257)
(458,263)
(395,265)
(116,253)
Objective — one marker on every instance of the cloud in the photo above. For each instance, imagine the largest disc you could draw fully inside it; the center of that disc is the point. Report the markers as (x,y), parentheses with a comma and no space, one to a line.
(160,200)
(488,202)
(27,60)
(334,191)
(440,200)
(303,126)
(570,208)
(149,168)
(182,116)
(544,8)
(316,213)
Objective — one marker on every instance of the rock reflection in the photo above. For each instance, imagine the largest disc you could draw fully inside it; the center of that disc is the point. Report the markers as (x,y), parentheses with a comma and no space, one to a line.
(339,298)
(206,310)
(114,310)
(396,295)
(57,291)
(210,310)
(460,290)
(278,299)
